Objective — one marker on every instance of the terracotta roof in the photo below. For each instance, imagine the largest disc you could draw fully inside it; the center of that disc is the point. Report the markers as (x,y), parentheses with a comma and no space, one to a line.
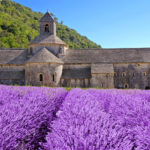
(44,56)
(13,56)
(123,55)
(47,39)
(46,18)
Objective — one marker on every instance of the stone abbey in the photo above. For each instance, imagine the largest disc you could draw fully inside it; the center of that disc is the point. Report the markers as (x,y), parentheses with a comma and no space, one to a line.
(48,61)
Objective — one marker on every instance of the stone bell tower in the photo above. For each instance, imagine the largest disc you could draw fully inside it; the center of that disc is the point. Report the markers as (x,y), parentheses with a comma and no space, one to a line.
(48,38)
(44,66)
(47,25)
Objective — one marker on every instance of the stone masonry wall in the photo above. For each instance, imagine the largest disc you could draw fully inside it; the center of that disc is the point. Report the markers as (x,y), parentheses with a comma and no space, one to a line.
(76,75)
(135,75)
(103,80)
(33,71)
(12,74)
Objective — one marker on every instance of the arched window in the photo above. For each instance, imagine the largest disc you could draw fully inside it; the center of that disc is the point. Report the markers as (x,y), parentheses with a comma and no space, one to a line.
(31,50)
(47,28)
(54,77)
(115,74)
(40,77)
(126,86)
(61,50)
(123,74)
(144,73)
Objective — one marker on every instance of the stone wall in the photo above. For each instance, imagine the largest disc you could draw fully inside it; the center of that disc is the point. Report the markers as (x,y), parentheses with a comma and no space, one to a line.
(105,80)
(76,75)
(135,75)
(12,74)
(84,83)
(51,74)
(102,75)
(52,28)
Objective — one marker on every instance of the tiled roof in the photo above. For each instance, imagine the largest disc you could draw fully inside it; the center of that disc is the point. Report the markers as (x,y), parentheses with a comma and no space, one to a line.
(44,56)
(123,55)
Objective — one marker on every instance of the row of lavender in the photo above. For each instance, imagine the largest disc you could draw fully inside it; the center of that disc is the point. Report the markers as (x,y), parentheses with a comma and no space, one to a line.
(102,120)
(26,114)
(54,119)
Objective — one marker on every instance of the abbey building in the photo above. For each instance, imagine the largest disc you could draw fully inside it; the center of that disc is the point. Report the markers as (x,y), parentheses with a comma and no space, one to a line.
(48,61)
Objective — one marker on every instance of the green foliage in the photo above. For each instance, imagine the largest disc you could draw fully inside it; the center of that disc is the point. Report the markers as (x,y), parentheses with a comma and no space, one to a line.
(19,25)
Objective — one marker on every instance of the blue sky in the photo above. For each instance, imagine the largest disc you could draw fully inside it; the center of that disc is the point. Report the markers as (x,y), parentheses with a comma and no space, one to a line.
(110,23)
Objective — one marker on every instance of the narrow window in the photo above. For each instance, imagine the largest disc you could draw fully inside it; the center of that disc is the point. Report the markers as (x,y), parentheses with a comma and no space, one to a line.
(31,50)
(102,85)
(115,74)
(47,28)
(54,77)
(123,74)
(126,86)
(144,73)
(41,77)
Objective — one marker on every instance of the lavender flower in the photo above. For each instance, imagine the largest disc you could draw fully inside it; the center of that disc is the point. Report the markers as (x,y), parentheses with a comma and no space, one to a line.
(101,120)
(25,115)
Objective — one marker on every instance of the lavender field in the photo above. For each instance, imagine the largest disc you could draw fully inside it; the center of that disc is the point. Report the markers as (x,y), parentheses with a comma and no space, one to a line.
(40,118)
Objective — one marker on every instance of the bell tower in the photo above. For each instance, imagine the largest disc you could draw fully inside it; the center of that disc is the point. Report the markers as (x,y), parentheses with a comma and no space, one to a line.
(47,38)
(47,25)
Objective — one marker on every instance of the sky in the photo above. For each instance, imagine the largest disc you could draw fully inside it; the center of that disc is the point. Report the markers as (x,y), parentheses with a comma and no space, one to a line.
(109,23)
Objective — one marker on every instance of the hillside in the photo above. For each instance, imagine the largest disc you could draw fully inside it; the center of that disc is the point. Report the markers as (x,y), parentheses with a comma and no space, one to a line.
(19,25)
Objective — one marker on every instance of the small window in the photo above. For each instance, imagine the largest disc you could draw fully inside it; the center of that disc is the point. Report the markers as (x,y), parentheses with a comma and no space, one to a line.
(31,50)
(126,86)
(134,74)
(147,88)
(54,77)
(123,74)
(115,74)
(47,28)
(107,75)
(144,73)
(41,77)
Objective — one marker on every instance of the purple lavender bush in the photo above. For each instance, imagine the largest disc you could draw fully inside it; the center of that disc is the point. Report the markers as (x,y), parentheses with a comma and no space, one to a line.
(26,114)
(102,120)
